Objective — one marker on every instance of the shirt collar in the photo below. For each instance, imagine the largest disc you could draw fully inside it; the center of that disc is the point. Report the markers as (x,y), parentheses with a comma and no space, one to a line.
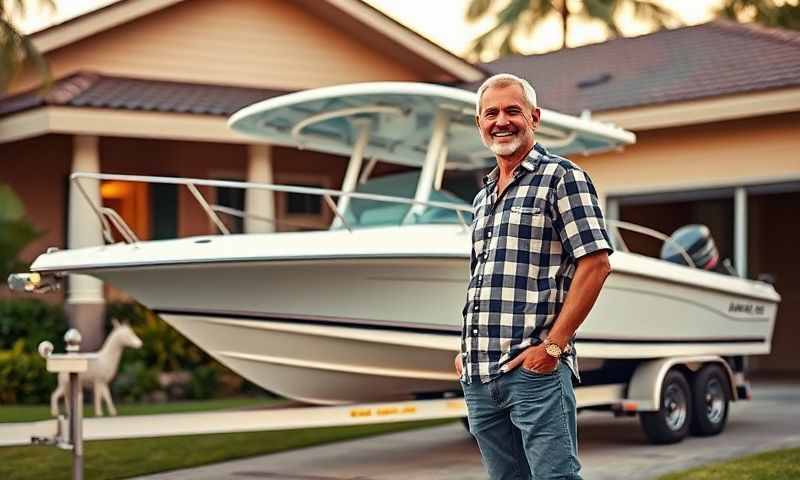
(528,165)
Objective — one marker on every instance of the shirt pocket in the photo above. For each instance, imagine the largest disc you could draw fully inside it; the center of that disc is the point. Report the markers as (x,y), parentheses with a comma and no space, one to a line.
(526,226)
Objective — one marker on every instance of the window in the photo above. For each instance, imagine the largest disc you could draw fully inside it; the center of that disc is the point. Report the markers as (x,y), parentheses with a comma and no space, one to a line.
(232,198)
(163,211)
(303,204)
(301,211)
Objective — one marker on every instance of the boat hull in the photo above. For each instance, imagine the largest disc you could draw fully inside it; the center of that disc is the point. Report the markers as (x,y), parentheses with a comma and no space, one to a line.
(355,330)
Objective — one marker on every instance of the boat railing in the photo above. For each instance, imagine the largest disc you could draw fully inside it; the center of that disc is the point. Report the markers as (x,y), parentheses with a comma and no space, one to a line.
(109,218)
(619,243)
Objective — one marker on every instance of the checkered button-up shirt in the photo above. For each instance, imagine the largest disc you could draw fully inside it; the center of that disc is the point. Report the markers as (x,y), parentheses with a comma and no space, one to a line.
(525,245)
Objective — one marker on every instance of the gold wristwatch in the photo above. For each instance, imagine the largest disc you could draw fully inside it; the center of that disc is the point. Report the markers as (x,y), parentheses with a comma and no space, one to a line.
(552,348)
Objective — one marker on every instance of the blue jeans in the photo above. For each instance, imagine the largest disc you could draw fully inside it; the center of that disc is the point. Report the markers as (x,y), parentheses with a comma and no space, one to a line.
(525,424)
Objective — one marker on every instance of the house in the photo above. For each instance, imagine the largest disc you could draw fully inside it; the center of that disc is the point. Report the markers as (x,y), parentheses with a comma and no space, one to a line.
(716,111)
(145,87)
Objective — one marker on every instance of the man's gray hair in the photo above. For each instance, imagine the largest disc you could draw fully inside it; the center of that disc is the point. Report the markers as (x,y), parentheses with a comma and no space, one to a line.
(502,80)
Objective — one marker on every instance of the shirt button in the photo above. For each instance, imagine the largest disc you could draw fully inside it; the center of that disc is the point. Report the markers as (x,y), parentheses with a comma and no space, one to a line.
(475,307)
(475,331)
(489,234)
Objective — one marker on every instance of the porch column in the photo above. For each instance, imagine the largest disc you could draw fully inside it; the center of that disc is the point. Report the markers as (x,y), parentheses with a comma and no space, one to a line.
(611,207)
(85,302)
(259,202)
(740,231)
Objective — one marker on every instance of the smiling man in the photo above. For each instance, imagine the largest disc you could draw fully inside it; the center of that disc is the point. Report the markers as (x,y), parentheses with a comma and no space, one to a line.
(539,259)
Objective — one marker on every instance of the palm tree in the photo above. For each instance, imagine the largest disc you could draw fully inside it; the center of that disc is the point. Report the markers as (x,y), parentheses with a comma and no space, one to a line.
(765,12)
(523,16)
(17,50)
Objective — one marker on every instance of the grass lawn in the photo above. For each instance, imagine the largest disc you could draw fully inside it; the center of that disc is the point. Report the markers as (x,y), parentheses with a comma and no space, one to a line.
(777,465)
(126,458)
(32,413)
(110,459)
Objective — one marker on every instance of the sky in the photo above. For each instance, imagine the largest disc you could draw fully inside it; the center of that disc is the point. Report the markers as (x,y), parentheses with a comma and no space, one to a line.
(443,21)
(457,34)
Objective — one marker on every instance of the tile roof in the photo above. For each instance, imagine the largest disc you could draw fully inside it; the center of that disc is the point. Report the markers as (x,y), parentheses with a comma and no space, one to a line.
(708,60)
(92,90)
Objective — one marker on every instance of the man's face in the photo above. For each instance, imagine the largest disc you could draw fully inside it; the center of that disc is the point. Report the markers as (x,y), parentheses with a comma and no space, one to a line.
(506,122)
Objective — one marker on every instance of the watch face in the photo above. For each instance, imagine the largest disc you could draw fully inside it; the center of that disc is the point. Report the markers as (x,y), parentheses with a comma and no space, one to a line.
(553,350)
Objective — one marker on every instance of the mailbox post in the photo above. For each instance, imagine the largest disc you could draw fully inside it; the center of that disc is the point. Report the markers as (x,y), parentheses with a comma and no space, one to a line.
(72,363)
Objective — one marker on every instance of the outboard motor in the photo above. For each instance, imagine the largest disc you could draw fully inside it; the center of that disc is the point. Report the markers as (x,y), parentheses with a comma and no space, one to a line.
(697,242)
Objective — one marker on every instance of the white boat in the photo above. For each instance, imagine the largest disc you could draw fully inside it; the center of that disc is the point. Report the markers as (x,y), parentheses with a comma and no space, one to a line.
(371,308)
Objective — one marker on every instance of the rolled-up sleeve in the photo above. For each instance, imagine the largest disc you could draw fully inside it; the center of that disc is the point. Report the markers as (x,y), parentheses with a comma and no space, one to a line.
(579,219)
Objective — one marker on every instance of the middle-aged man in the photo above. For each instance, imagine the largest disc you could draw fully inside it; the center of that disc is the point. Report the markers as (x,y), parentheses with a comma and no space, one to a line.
(539,259)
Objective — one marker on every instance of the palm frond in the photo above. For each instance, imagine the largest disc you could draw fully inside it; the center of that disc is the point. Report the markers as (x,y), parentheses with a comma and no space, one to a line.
(653,13)
(764,12)
(507,22)
(537,12)
(481,44)
(603,10)
(17,50)
(477,9)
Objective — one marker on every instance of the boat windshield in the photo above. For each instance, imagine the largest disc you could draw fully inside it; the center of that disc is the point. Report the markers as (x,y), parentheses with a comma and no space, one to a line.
(363,213)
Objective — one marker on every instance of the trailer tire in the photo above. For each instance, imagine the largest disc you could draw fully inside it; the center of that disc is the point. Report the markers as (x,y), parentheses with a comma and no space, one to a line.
(710,401)
(670,424)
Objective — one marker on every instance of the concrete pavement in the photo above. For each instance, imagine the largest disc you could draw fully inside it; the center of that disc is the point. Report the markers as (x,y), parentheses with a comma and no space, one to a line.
(610,449)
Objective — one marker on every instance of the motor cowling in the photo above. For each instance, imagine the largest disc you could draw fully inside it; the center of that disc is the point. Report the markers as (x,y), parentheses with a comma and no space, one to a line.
(697,242)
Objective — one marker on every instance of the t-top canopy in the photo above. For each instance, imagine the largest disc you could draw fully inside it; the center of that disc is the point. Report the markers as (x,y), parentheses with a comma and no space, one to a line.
(400,119)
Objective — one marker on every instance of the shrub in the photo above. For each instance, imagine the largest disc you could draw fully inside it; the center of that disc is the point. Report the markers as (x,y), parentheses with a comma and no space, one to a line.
(24,377)
(135,382)
(164,348)
(204,382)
(31,321)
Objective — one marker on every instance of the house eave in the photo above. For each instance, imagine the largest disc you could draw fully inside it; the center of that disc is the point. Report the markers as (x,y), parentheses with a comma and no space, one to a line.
(118,123)
(729,107)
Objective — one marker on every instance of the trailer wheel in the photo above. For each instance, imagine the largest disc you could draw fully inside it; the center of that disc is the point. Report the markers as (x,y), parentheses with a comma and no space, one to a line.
(670,424)
(710,401)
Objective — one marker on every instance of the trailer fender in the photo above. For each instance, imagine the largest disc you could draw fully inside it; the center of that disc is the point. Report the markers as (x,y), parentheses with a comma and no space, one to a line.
(644,388)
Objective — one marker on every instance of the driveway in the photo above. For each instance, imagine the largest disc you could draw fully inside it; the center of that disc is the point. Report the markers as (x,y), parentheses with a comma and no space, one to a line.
(610,449)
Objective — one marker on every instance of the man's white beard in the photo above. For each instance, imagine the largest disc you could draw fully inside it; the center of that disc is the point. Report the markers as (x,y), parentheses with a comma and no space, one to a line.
(503,149)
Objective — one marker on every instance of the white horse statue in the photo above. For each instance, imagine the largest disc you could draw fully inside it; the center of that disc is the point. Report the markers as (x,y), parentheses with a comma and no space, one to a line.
(102,370)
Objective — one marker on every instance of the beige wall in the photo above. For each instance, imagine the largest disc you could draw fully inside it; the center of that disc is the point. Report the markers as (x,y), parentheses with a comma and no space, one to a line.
(734,152)
(244,42)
